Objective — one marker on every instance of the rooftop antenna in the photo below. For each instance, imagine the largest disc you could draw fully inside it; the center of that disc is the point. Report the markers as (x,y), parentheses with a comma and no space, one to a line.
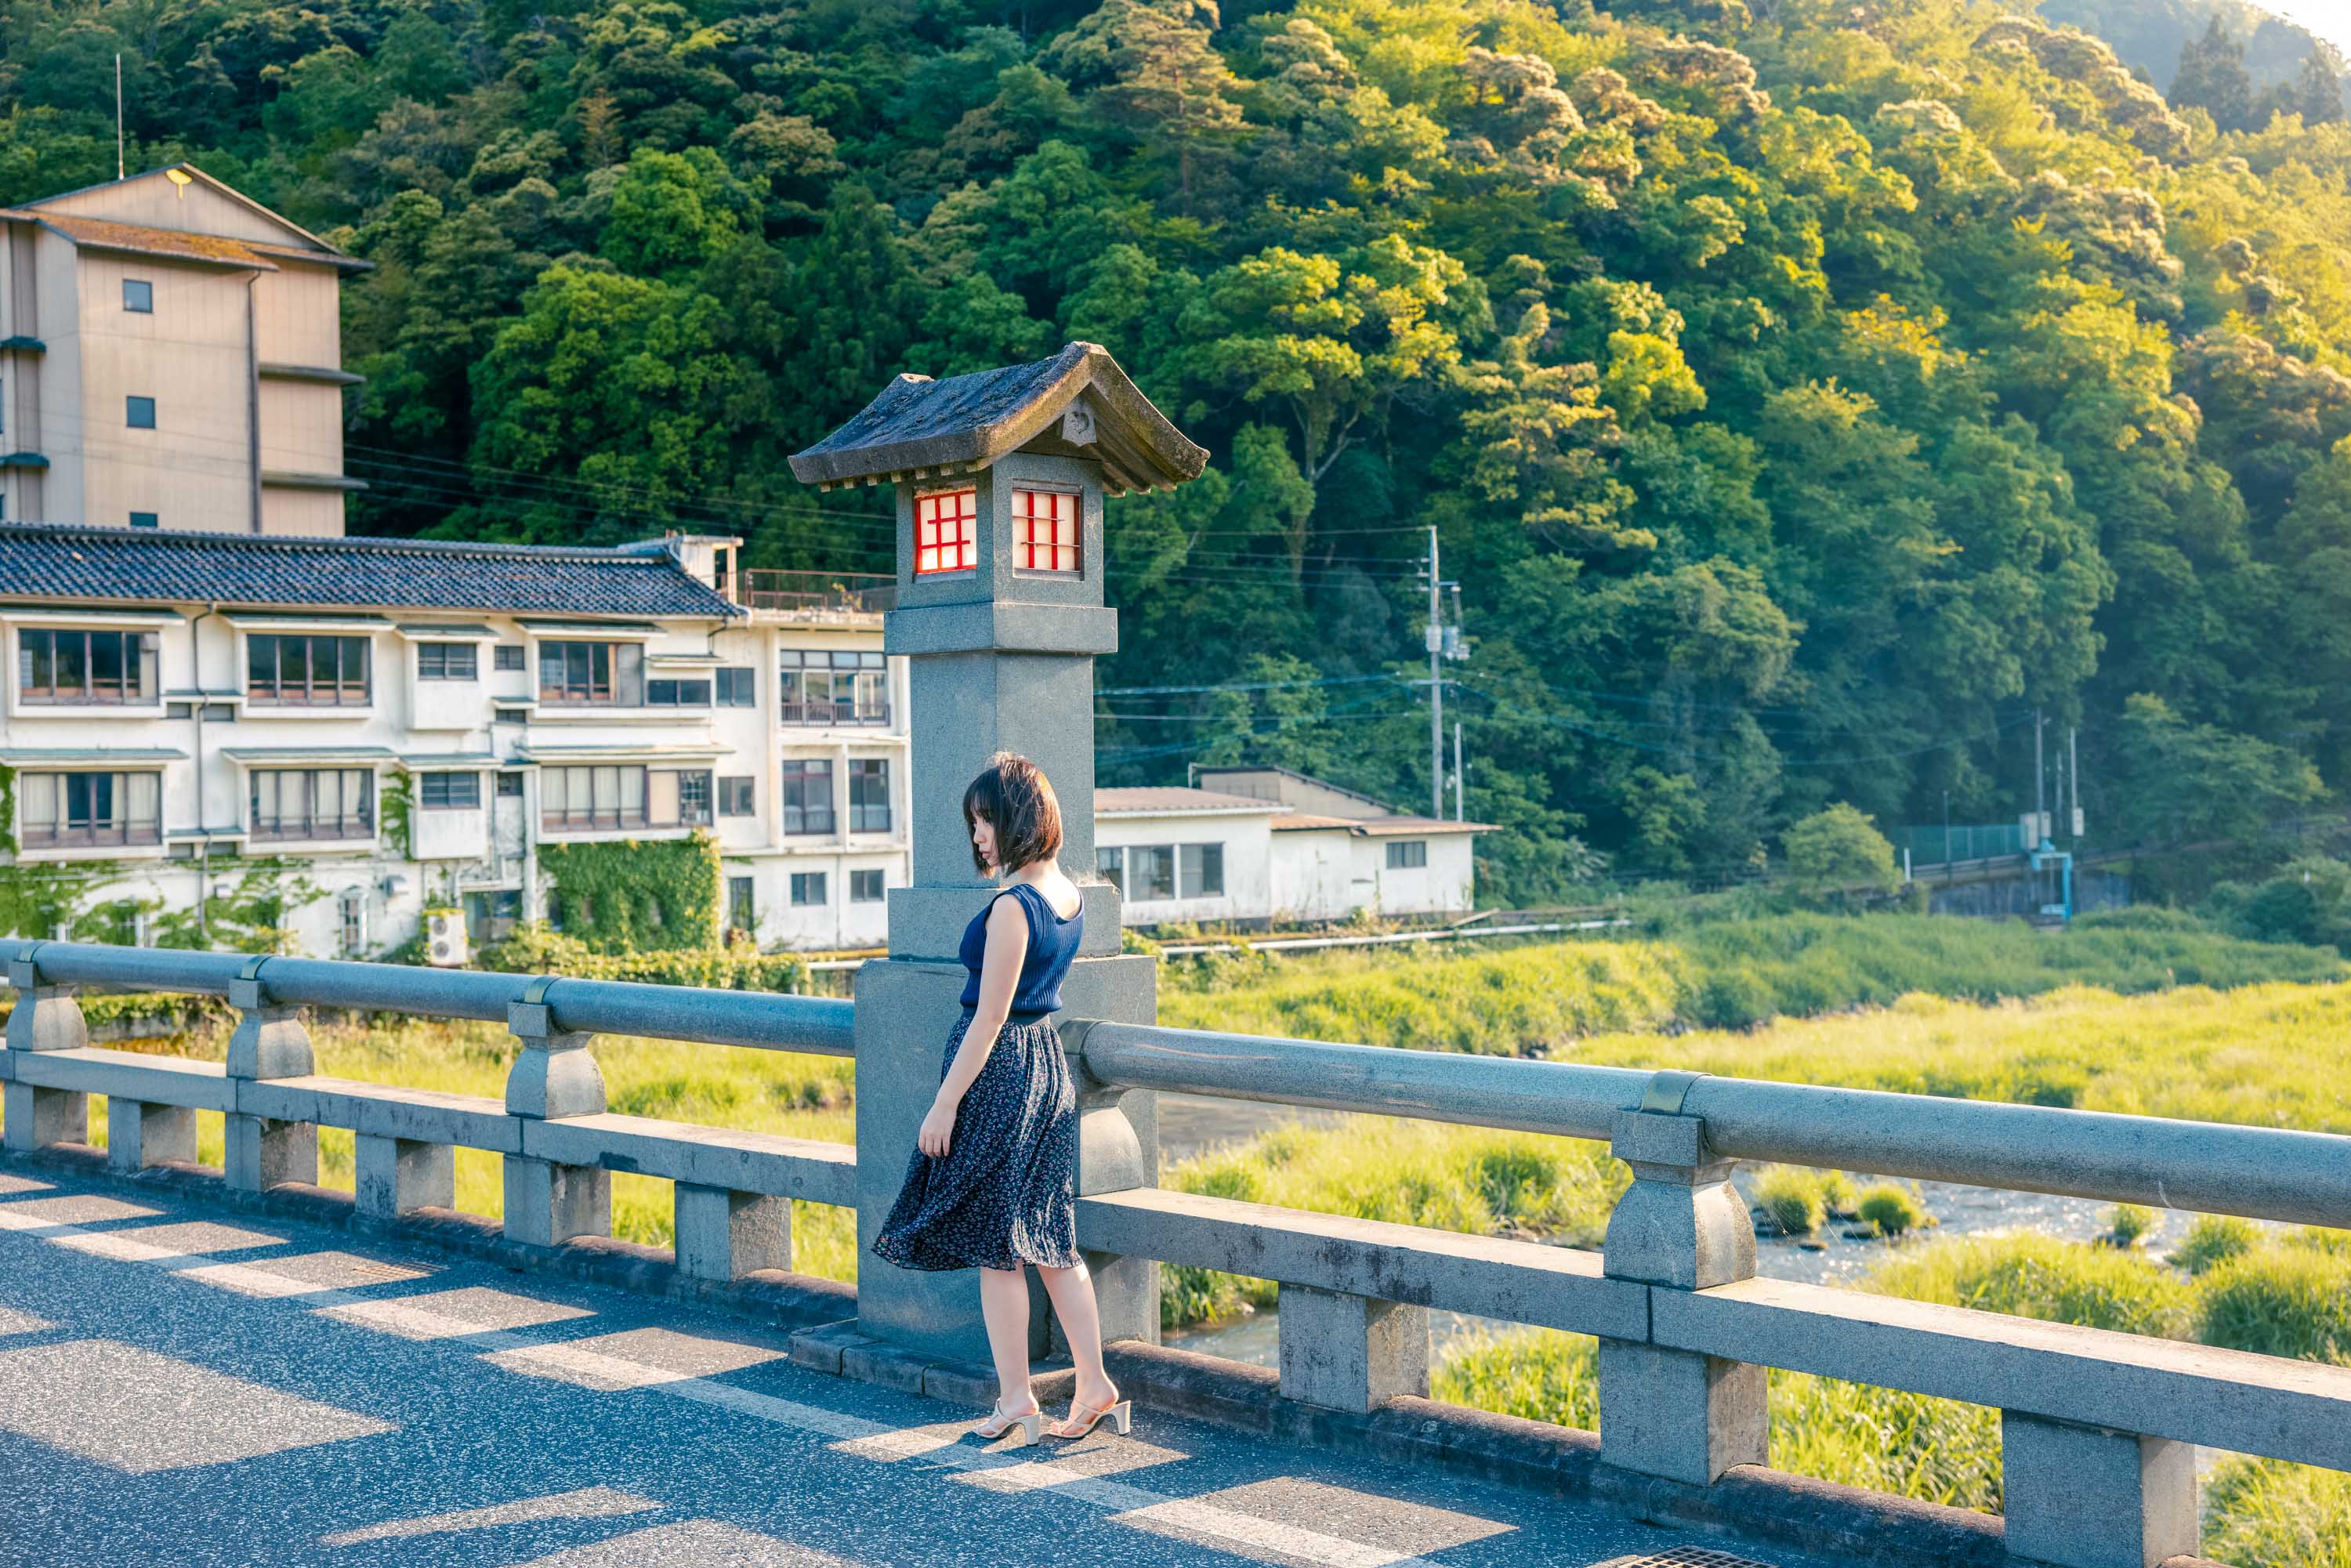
(118,115)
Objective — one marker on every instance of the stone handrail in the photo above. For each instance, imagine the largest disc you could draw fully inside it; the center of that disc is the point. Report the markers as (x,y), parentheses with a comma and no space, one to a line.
(2099,1429)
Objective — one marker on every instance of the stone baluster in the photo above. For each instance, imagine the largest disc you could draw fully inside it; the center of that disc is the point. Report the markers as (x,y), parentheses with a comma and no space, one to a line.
(270,1042)
(554,1077)
(1350,1353)
(724,1235)
(1680,1226)
(400,1175)
(2084,1496)
(45,1018)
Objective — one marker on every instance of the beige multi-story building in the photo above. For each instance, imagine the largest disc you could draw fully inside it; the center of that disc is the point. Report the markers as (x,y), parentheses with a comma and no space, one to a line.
(171,358)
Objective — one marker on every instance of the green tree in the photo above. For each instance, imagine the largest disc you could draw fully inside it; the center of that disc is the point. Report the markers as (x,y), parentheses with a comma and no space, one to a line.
(1839,851)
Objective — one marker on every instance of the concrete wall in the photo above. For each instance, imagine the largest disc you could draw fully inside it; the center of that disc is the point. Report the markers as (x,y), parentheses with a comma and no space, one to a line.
(1245,838)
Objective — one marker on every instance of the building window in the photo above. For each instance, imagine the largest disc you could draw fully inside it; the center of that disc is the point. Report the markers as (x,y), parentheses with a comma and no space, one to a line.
(449,791)
(139,296)
(808,796)
(833,688)
(507,656)
(738,687)
(737,796)
(447,661)
(68,810)
(868,795)
(677,694)
(312,803)
(1151,871)
(1404,855)
(944,531)
(353,909)
(146,520)
(693,798)
(138,413)
(588,797)
(509,786)
(309,670)
(510,716)
(742,903)
(1109,860)
(808,887)
(1044,530)
(86,666)
(1201,869)
(611,674)
(866,886)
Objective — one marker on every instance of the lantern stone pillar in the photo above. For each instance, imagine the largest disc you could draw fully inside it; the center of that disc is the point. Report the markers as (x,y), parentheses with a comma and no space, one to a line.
(999,643)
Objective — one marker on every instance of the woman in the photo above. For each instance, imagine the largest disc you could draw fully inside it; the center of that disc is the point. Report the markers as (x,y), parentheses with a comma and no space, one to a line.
(993,1179)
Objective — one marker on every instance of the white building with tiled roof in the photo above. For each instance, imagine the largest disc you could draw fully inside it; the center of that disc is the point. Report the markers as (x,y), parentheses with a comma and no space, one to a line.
(1274,847)
(171,358)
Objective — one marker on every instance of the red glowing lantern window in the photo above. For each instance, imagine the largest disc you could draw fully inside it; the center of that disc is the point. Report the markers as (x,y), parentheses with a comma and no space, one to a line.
(944,531)
(1044,530)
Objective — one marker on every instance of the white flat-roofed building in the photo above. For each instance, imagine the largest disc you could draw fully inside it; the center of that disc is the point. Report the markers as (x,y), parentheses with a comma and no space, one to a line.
(171,358)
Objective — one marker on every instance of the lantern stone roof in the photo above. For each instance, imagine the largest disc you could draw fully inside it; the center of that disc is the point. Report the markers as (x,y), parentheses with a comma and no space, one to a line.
(1079,403)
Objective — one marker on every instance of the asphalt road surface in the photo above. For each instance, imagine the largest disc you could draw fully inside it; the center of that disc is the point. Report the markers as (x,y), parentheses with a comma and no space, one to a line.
(182,1386)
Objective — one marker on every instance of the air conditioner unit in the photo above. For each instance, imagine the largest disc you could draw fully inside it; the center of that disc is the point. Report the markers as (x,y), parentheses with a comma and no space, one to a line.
(445,939)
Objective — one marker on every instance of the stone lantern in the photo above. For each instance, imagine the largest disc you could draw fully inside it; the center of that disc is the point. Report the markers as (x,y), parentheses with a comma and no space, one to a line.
(1001,477)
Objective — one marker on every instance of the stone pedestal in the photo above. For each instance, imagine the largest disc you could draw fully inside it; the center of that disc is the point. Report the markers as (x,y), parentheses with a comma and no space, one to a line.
(554,1076)
(270,1042)
(45,1018)
(2084,1496)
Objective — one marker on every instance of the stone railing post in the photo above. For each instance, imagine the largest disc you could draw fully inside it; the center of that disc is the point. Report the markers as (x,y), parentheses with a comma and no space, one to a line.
(1680,1226)
(45,1018)
(1350,1353)
(2084,1496)
(270,1042)
(400,1175)
(724,1235)
(1118,1140)
(553,1077)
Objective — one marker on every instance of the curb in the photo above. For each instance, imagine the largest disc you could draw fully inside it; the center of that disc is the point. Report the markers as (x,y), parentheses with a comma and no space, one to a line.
(1750,1504)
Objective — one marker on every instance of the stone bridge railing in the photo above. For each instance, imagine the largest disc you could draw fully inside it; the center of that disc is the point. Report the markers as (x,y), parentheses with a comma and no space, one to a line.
(2099,1429)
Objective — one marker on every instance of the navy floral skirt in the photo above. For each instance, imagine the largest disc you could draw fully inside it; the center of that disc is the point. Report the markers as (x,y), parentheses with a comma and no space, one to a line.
(1006,1194)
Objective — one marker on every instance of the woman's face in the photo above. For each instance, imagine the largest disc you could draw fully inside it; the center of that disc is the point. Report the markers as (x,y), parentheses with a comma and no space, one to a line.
(983,840)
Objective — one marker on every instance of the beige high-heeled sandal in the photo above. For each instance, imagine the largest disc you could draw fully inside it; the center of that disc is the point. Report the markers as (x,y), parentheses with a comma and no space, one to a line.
(1083,1417)
(1029,1427)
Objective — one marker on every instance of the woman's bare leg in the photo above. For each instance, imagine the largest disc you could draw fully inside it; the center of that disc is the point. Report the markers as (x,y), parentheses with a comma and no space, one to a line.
(1072,1294)
(1004,1305)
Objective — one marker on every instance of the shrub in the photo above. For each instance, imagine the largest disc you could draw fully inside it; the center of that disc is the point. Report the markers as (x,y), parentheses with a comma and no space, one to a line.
(1892,1210)
(2285,1300)
(2028,1275)
(2213,1240)
(1839,850)
(738,966)
(1734,998)
(2127,1223)
(1791,1198)
(1837,1195)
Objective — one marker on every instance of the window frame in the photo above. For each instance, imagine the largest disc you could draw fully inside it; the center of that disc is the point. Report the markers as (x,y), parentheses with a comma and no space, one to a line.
(510,658)
(677,691)
(869,776)
(804,883)
(620,683)
(1024,544)
(133,405)
(1408,855)
(738,794)
(136,653)
(448,656)
(804,772)
(1160,859)
(1193,862)
(309,826)
(152,519)
(147,289)
(446,786)
(854,684)
(931,521)
(743,905)
(1110,864)
(274,695)
(736,686)
(121,826)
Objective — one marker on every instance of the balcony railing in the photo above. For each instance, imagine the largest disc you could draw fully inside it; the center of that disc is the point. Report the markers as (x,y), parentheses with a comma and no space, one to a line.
(869,715)
(867,592)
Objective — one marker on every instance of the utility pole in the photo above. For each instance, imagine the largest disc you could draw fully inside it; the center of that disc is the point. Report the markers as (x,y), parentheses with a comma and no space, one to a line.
(1436,687)
(2040,783)
(2073,772)
(118,115)
(1457,770)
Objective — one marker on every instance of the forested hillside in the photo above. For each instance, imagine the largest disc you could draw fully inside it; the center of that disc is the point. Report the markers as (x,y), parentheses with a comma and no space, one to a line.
(1802,396)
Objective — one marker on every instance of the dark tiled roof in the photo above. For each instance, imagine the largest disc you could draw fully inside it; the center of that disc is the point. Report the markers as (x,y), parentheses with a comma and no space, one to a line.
(72,561)
(103,234)
(916,425)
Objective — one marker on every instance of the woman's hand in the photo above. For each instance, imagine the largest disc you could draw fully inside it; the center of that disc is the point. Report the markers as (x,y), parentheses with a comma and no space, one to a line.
(938,1127)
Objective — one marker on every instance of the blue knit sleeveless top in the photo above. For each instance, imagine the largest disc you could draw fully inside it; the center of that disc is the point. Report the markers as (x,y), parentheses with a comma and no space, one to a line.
(1053,943)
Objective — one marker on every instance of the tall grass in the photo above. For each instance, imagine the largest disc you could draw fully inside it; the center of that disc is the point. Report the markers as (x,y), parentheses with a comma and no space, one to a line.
(2263,1055)
(1721,973)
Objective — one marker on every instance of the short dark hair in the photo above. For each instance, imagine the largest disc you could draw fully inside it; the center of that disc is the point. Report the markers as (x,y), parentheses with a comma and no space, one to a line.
(1013,796)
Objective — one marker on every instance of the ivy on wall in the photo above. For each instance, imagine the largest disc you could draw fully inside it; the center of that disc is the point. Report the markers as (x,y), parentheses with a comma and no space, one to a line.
(397,808)
(7,811)
(251,914)
(635,895)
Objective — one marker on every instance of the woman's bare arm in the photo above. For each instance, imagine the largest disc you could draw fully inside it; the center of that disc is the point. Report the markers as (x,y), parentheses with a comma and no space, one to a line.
(999,972)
